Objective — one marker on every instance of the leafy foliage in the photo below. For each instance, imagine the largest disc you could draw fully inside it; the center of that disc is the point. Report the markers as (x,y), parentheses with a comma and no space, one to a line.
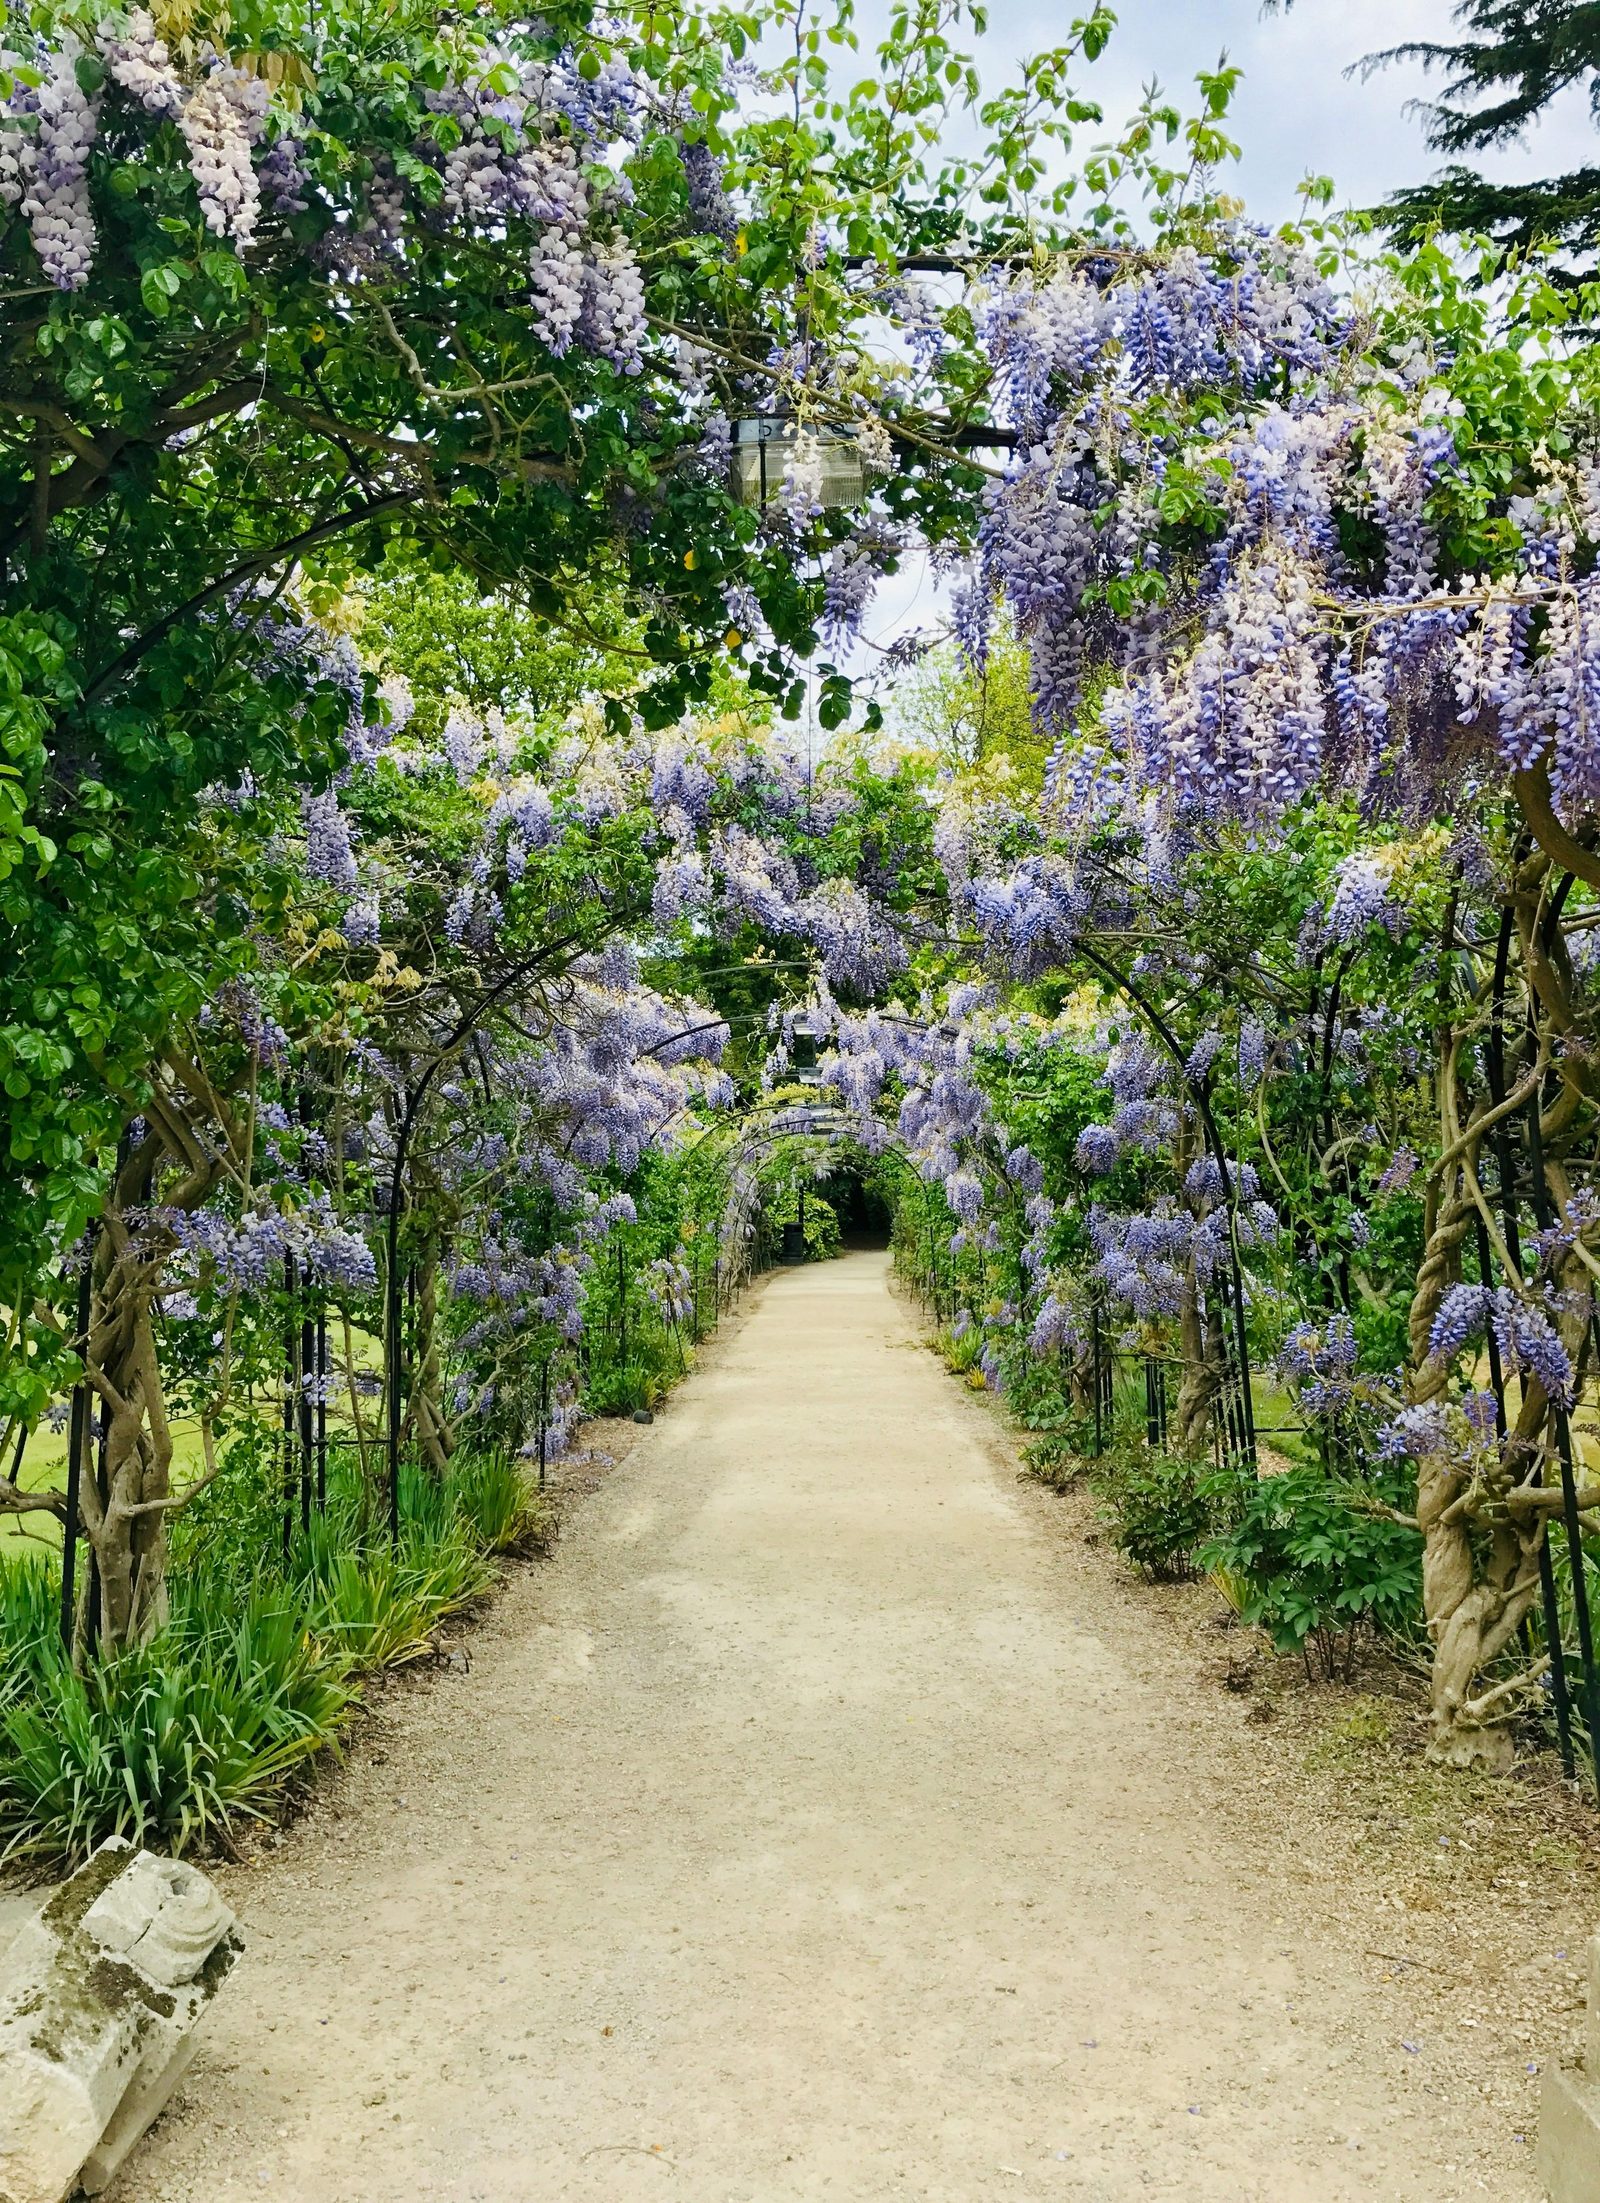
(1501,76)
(1319,1563)
(1165,1510)
(169,1744)
(179,1741)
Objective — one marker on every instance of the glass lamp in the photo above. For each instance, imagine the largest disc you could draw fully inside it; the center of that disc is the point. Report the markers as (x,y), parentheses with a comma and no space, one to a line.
(765,444)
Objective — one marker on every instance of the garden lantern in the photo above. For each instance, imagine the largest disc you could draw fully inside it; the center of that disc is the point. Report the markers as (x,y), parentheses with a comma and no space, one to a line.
(803,1053)
(764,446)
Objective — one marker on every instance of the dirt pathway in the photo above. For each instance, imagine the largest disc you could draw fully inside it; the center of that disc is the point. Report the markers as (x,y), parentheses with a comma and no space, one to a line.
(801,1834)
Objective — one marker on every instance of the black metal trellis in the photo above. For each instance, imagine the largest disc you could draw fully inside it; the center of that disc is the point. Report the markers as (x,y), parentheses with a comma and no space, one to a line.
(1244,1443)
(1561,1697)
(306,1412)
(292,1396)
(1234,1418)
(77,1433)
(1102,1379)
(1495,1070)
(94,1605)
(1096,1381)
(1155,1402)
(1558,1425)
(314,1385)
(323,1373)
(1580,1587)
(1130,1386)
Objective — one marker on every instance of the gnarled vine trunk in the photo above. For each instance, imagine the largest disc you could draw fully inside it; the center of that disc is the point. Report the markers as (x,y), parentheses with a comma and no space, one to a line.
(125,1501)
(1474,1595)
(427,1426)
(1201,1382)
(125,1489)
(1481,1533)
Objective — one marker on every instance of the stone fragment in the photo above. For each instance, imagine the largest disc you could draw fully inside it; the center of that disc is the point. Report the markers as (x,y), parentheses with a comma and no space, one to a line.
(100,1995)
(1569,2112)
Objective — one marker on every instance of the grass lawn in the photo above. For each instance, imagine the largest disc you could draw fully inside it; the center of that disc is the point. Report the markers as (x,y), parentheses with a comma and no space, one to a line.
(44,1459)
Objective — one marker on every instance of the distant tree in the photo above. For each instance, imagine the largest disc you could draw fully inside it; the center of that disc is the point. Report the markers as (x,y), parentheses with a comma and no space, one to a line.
(974,714)
(1516,56)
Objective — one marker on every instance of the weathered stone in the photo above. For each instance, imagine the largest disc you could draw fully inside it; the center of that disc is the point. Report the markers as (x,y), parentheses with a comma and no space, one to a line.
(1569,2112)
(100,1994)
(1569,2138)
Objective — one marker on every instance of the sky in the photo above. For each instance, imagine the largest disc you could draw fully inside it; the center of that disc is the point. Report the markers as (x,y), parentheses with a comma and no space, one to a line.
(1295,109)
(1295,112)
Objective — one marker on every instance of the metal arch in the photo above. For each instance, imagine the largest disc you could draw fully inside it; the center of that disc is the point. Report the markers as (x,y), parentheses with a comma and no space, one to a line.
(836,1128)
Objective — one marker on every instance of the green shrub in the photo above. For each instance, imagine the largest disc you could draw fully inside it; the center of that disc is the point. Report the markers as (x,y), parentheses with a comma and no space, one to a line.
(498,1500)
(1058,1458)
(960,1354)
(782,1206)
(429,1515)
(378,1604)
(30,1622)
(619,1388)
(169,1743)
(378,1608)
(1165,1508)
(255,1670)
(238,1519)
(1316,1564)
(1034,1387)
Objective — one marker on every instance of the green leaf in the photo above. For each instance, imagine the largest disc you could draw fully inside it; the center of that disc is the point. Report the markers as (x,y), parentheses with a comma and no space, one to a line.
(159,286)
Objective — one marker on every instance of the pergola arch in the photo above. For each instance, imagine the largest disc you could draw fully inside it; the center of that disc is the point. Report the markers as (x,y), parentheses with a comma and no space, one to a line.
(755,1133)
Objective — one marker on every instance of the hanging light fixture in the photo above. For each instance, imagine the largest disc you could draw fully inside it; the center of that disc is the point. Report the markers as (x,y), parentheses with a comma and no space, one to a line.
(803,1051)
(765,446)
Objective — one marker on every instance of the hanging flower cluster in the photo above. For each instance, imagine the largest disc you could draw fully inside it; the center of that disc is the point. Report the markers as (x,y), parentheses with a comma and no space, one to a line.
(520,133)
(1298,625)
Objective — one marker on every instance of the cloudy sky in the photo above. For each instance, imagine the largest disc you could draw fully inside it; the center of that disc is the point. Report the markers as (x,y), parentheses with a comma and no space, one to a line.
(1295,112)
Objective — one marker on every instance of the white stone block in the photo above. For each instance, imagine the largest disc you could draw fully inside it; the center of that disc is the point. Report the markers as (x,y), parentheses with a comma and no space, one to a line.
(1569,2137)
(100,1994)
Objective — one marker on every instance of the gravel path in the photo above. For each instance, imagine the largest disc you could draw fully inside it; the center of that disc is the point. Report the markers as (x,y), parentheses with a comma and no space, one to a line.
(805,1831)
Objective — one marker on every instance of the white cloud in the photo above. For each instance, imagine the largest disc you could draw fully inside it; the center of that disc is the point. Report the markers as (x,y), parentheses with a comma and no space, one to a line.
(1295,111)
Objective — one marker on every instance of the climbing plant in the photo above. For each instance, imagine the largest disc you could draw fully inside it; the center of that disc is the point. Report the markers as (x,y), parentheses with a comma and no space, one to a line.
(444,472)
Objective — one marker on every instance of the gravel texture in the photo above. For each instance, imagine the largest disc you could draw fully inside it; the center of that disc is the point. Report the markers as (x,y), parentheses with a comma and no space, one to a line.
(831,1820)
